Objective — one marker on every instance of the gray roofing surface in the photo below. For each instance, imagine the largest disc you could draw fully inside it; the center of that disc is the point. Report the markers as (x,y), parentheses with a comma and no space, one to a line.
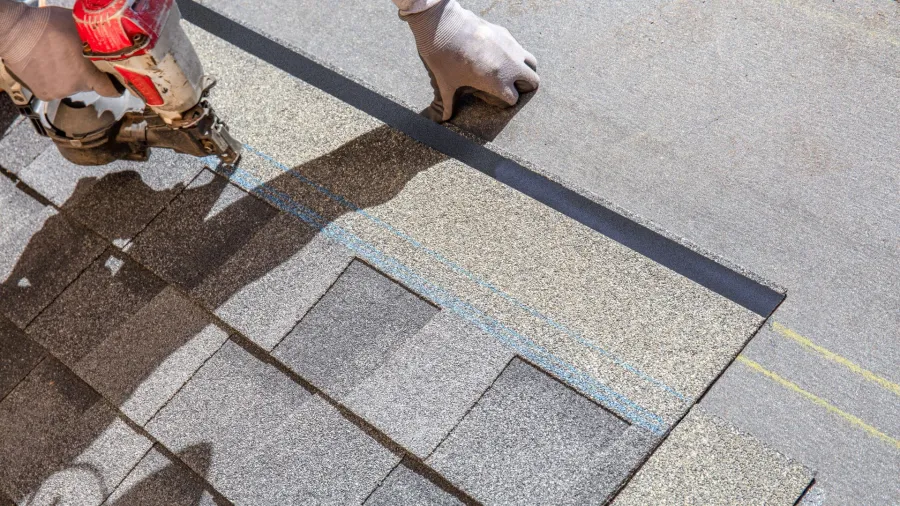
(347,317)
(762,132)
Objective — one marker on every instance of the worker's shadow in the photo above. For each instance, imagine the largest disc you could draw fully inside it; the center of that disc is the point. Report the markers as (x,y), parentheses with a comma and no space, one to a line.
(211,242)
(209,224)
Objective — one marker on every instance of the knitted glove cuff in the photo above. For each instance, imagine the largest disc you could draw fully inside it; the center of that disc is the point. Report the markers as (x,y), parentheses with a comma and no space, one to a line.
(435,27)
(413,6)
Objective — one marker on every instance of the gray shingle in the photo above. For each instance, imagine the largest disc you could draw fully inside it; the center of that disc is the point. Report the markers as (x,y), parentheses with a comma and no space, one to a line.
(109,292)
(151,355)
(41,252)
(706,460)
(198,232)
(60,181)
(16,206)
(529,440)
(350,332)
(611,468)
(21,145)
(60,440)
(157,480)
(118,205)
(405,486)
(271,441)
(267,286)
(18,356)
(427,384)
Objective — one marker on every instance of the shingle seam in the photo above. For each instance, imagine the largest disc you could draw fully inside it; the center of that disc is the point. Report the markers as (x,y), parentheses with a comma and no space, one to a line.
(48,355)
(380,483)
(24,188)
(347,414)
(422,469)
(169,454)
(125,475)
(153,218)
(162,448)
(39,362)
(313,305)
(469,410)
(180,388)
(74,278)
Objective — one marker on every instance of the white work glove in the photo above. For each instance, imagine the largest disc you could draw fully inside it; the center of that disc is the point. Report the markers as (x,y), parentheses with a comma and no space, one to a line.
(41,47)
(464,53)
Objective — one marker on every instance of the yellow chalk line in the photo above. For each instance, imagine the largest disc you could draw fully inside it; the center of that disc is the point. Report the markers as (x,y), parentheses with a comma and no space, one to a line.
(842,20)
(834,357)
(818,400)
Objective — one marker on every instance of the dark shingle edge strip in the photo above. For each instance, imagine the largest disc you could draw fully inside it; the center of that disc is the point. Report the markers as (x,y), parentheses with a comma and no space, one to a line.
(728,283)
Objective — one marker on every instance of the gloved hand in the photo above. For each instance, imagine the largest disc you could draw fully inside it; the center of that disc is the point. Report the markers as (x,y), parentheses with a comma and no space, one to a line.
(464,53)
(41,47)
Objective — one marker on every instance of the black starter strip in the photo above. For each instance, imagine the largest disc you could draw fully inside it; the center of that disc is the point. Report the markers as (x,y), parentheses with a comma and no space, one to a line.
(726,282)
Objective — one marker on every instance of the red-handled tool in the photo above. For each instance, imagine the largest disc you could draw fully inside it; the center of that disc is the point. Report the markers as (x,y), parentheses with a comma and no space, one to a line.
(142,45)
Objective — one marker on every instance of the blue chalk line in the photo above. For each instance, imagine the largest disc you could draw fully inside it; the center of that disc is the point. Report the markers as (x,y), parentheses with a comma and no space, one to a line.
(524,346)
(474,277)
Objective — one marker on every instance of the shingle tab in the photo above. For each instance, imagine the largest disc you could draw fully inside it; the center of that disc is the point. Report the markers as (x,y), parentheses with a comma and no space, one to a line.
(198,232)
(405,486)
(271,441)
(152,354)
(21,145)
(427,384)
(41,252)
(706,460)
(267,286)
(157,480)
(350,332)
(115,200)
(18,356)
(529,440)
(60,442)
(109,292)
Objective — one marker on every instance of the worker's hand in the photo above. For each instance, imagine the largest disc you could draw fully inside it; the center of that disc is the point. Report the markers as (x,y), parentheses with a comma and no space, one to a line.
(463,52)
(43,50)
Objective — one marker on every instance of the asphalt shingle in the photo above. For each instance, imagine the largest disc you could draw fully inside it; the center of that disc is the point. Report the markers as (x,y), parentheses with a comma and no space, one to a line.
(706,460)
(18,356)
(20,145)
(61,443)
(112,290)
(267,286)
(352,330)
(41,252)
(157,480)
(529,440)
(271,441)
(149,356)
(420,392)
(198,232)
(611,314)
(115,200)
(405,486)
